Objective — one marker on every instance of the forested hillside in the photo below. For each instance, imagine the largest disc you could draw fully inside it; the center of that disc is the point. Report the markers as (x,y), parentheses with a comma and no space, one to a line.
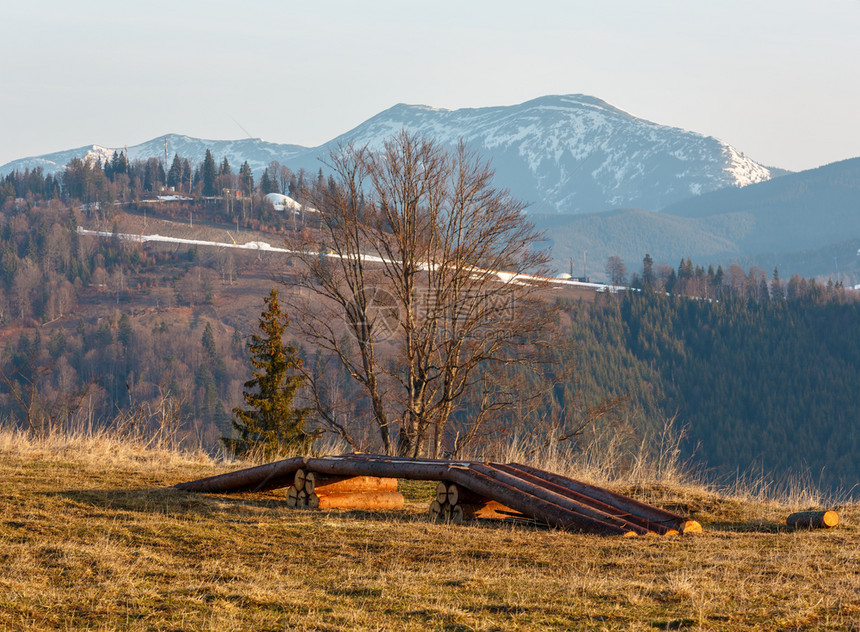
(101,330)
(151,337)
(764,386)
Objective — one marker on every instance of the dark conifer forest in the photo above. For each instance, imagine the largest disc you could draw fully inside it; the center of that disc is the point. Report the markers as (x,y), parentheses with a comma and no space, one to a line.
(762,386)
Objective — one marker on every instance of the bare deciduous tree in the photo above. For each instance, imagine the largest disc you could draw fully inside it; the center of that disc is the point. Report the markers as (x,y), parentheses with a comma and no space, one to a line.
(41,409)
(417,284)
(616,270)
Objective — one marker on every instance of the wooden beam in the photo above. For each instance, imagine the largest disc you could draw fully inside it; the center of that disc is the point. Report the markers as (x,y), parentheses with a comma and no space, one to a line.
(260,478)
(560,500)
(358,500)
(316,482)
(383,467)
(533,506)
(650,526)
(629,505)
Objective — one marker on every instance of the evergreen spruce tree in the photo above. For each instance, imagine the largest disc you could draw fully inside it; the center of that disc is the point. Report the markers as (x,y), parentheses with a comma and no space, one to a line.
(208,342)
(246,178)
(268,184)
(174,176)
(648,272)
(271,424)
(208,174)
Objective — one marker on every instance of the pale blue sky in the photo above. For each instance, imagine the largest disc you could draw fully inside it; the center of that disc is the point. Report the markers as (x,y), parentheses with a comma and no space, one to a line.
(779,80)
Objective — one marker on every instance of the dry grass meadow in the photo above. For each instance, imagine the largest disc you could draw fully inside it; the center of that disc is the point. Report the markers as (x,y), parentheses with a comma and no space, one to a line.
(92,537)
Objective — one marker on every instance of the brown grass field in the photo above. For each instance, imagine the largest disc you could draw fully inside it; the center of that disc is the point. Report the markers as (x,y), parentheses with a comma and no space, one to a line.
(92,537)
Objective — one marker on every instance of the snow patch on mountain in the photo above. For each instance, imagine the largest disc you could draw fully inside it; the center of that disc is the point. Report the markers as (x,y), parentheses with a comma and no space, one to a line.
(743,170)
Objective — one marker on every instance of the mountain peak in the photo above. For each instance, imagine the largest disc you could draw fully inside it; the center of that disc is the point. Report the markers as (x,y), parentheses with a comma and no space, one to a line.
(575,152)
(573,101)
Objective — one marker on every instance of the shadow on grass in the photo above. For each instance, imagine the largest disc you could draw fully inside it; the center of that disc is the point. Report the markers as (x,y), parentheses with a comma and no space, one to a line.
(166,500)
(757,526)
(240,507)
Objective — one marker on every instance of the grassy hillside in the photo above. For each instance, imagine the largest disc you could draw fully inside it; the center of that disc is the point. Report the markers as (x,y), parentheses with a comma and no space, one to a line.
(93,537)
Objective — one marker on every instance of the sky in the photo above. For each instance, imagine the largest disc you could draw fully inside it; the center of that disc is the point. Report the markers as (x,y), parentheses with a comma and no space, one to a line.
(777,79)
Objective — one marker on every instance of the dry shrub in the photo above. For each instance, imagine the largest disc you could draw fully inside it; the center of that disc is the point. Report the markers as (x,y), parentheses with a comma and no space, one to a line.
(103,446)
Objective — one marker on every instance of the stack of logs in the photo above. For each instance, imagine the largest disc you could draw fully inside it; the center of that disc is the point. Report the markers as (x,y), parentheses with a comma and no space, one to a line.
(466,490)
(312,490)
(454,504)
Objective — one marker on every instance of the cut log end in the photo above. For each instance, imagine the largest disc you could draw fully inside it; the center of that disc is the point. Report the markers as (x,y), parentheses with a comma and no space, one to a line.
(690,526)
(442,493)
(456,515)
(813,519)
(435,511)
(299,479)
(292,497)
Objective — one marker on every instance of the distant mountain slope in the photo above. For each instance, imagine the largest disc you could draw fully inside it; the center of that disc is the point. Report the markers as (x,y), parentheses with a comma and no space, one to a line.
(590,238)
(257,152)
(804,210)
(571,153)
(806,222)
(575,153)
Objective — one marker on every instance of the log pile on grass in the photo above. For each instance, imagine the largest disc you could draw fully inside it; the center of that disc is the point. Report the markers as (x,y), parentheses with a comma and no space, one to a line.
(467,490)
(313,490)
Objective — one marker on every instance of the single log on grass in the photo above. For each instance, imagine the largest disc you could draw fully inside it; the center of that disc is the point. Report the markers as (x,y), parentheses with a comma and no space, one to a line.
(813,519)
(325,483)
(358,500)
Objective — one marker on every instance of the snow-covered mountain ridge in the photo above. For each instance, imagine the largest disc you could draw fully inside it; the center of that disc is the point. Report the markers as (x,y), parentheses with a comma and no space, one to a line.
(571,153)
